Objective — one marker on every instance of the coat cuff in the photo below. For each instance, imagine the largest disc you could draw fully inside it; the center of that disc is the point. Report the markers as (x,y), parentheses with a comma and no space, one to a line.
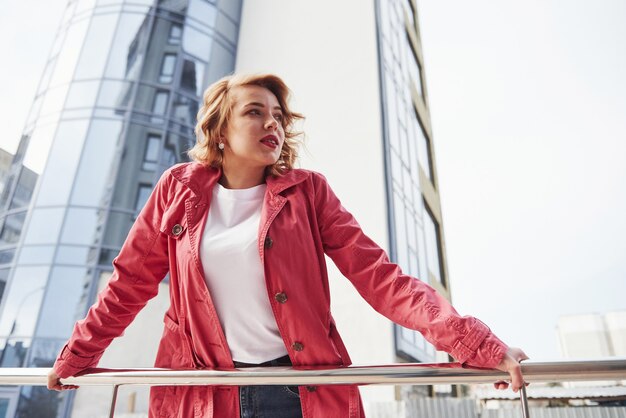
(479,347)
(490,353)
(465,348)
(69,363)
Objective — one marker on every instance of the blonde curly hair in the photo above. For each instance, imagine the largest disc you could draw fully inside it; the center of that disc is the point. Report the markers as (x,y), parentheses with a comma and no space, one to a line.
(217,106)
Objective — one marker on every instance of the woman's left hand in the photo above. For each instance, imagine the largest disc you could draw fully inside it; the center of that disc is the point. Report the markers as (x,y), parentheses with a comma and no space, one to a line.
(511,364)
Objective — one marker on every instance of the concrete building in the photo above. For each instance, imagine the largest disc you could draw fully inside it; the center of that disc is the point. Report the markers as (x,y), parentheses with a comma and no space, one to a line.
(593,336)
(5,163)
(105,125)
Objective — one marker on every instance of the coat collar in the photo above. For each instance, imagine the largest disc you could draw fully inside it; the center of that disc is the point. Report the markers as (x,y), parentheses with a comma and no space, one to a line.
(197,177)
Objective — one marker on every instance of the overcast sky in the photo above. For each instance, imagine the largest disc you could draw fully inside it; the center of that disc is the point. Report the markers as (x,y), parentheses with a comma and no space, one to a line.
(528,106)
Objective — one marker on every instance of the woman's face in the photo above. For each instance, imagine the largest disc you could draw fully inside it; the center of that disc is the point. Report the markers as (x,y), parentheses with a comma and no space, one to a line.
(254,134)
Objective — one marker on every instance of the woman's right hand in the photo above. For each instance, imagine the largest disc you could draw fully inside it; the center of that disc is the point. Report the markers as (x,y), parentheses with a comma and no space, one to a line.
(54,382)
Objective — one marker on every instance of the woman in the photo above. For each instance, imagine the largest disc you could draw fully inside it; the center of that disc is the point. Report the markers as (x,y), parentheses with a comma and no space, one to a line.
(243,236)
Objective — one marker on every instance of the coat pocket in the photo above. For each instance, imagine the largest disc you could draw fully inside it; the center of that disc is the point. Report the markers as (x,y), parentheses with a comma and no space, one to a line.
(174,350)
(337,342)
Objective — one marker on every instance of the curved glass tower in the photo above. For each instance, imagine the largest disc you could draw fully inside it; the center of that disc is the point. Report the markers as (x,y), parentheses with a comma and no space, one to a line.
(115,107)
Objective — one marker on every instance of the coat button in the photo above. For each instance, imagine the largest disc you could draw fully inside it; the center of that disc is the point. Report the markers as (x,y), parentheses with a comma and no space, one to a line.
(280,297)
(268,242)
(177,229)
(297,346)
(311,388)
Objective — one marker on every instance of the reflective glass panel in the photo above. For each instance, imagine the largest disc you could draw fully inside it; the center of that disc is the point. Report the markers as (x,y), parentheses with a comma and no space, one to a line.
(36,254)
(24,189)
(70,254)
(184,110)
(175,149)
(143,193)
(76,114)
(423,148)
(117,228)
(6,256)
(66,62)
(115,94)
(97,45)
(34,110)
(227,28)
(415,70)
(197,43)
(57,180)
(421,250)
(107,256)
(431,230)
(151,157)
(160,103)
(232,9)
(65,301)
(392,113)
(38,147)
(82,94)
(44,226)
(58,40)
(12,228)
(4,277)
(14,352)
(413,266)
(176,34)
(222,63)
(84,5)
(21,306)
(43,352)
(82,226)
(53,100)
(402,256)
(38,401)
(413,159)
(192,76)
(202,11)
(168,65)
(95,172)
(125,56)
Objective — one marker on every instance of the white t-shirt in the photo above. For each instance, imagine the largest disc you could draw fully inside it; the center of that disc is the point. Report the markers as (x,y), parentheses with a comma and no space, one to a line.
(234,274)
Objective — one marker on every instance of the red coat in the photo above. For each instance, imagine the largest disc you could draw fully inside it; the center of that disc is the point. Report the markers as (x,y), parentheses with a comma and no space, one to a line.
(302,220)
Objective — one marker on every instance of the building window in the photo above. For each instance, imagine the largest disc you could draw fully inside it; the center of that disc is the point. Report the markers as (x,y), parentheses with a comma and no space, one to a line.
(424,153)
(176,34)
(159,105)
(415,70)
(143,193)
(167,68)
(433,246)
(151,155)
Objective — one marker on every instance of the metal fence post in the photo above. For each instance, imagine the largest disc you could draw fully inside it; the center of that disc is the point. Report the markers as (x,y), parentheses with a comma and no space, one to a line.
(113,401)
(524,400)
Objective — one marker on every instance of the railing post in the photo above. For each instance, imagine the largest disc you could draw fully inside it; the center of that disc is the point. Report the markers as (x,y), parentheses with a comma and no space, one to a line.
(524,400)
(113,401)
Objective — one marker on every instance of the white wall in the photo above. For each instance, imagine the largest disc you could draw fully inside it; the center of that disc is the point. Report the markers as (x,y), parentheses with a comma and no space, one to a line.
(326,52)
(616,326)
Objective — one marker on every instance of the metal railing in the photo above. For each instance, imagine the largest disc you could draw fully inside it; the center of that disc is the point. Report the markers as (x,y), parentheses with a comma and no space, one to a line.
(613,369)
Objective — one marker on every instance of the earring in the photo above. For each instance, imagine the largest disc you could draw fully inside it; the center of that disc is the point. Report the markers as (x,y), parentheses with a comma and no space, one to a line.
(221,146)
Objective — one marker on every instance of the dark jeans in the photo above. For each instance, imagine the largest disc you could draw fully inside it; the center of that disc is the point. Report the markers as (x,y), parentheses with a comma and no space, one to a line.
(275,401)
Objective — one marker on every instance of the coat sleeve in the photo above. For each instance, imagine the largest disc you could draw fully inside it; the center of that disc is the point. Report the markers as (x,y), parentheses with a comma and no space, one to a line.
(141,264)
(403,299)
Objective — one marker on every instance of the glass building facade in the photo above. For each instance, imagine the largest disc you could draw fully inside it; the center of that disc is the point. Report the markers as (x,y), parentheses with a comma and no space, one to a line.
(413,200)
(115,107)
